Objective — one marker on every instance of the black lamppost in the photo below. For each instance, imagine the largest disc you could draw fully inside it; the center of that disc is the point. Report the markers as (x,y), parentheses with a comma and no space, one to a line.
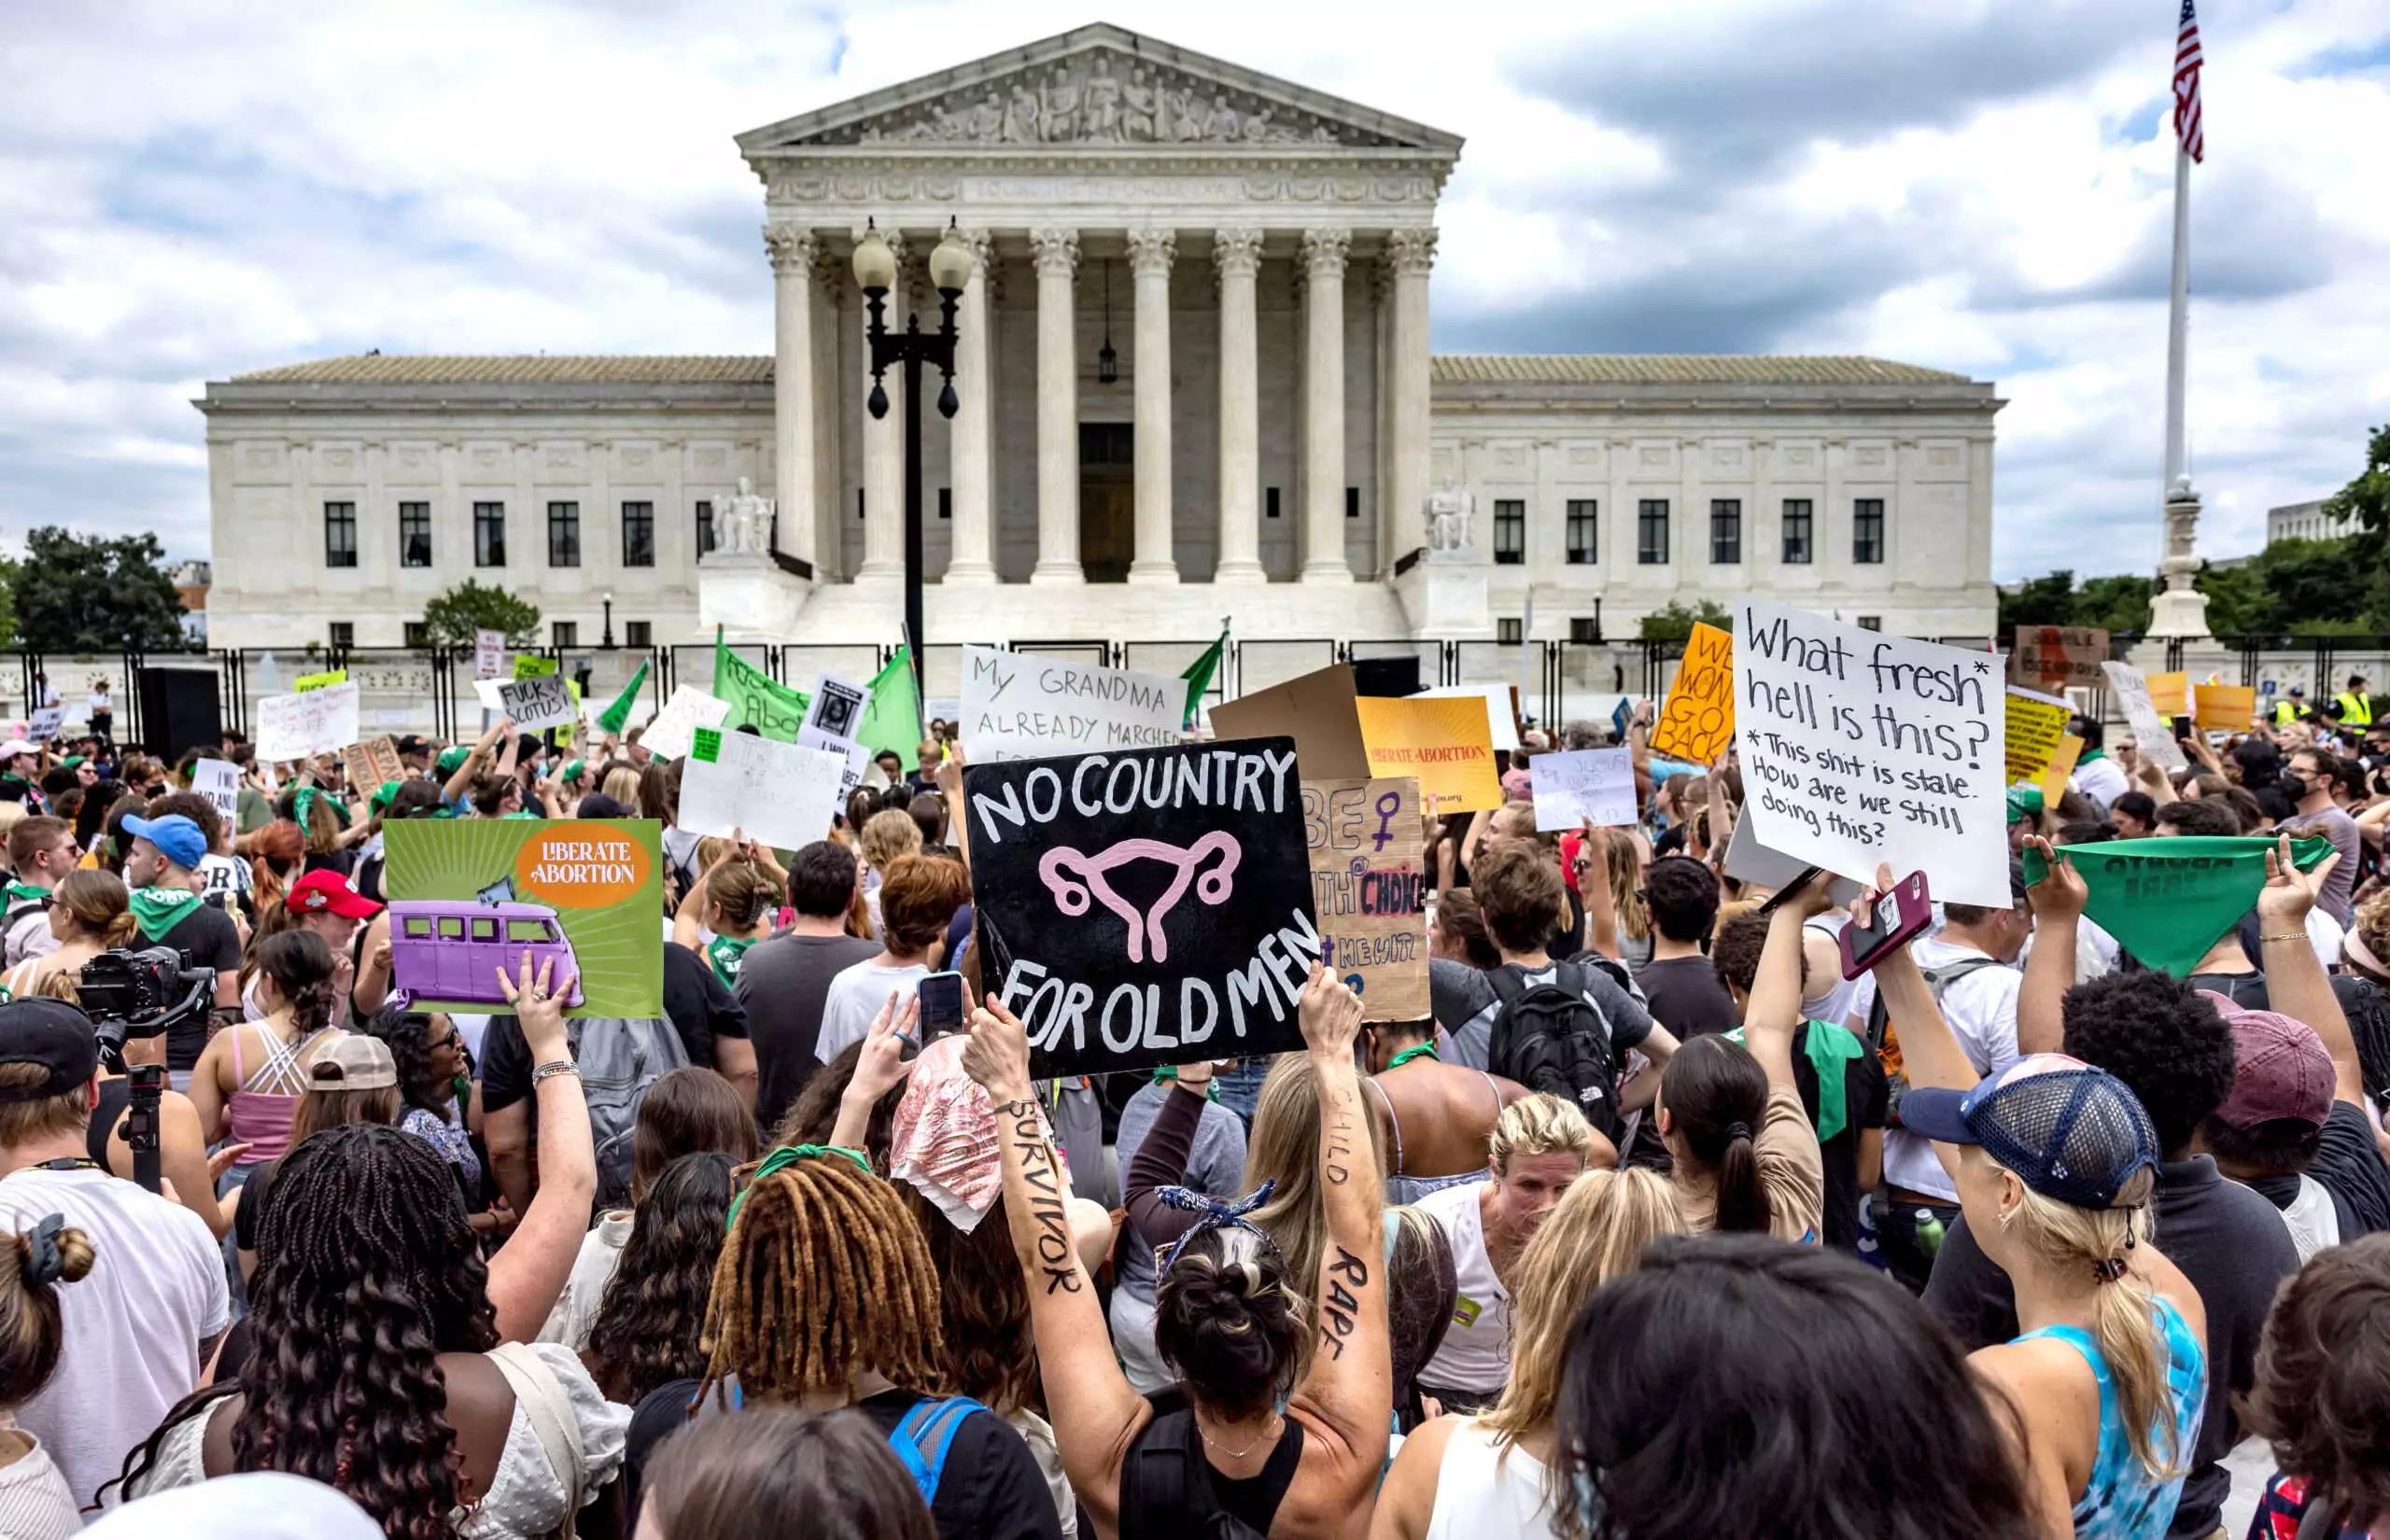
(607,639)
(876,271)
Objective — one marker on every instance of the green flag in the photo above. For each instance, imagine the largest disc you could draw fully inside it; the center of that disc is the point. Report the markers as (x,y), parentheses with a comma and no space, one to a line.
(618,715)
(2167,901)
(892,721)
(756,699)
(1198,677)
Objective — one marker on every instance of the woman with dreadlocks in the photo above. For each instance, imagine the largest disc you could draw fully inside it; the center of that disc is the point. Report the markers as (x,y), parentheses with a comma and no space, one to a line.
(378,1367)
(1228,1319)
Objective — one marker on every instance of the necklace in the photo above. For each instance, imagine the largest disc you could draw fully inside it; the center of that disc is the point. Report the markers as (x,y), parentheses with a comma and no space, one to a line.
(1238,1454)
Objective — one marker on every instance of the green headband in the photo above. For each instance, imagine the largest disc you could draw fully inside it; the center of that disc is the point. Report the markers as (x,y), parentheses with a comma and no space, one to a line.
(451,758)
(382,796)
(308,797)
(573,768)
(789,1154)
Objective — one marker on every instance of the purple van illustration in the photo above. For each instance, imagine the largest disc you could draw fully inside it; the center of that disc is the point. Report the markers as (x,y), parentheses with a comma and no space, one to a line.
(454,949)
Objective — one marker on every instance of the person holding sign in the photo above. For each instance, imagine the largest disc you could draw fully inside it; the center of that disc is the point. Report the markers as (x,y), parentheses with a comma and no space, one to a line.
(739,901)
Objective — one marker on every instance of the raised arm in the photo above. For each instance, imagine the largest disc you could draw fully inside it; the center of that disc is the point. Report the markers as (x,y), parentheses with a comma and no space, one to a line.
(2152,779)
(462,781)
(1774,1014)
(882,1068)
(530,1271)
(1930,1053)
(2296,983)
(949,785)
(2057,903)
(1593,890)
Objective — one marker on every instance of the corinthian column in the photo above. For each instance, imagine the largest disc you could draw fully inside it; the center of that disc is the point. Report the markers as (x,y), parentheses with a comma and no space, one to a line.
(793,252)
(1150,253)
(884,444)
(973,436)
(1058,408)
(1324,561)
(1236,253)
(1410,253)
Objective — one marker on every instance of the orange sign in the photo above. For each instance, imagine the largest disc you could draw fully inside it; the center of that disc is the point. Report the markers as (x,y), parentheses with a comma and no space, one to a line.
(2070,750)
(2225,707)
(2171,694)
(581,865)
(1448,744)
(1699,715)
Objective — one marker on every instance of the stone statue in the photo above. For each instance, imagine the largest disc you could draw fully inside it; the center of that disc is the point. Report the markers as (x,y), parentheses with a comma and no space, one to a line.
(1101,117)
(1094,100)
(742,524)
(1449,512)
(1138,112)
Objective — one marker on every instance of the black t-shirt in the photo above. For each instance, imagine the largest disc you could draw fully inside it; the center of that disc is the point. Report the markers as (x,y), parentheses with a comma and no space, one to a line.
(1866,1103)
(212,940)
(2233,1247)
(2348,1165)
(1683,995)
(695,1001)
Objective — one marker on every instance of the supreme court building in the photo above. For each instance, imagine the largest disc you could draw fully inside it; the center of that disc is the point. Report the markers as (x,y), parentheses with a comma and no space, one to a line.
(1194,382)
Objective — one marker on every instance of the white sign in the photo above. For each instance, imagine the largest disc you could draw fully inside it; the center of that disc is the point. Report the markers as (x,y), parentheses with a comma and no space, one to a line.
(2153,733)
(668,736)
(853,759)
(780,794)
(489,654)
(43,725)
(1860,748)
(1019,707)
(943,708)
(540,701)
(1754,866)
(219,782)
(1590,783)
(298,727)
(1498,716)
(838,706)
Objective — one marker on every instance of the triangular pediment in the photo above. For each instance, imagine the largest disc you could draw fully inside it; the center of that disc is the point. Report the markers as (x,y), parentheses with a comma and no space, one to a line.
(1098,87)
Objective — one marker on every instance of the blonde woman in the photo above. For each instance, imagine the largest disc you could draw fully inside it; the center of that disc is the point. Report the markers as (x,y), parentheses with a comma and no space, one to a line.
(890,835)
(1625,868)
(1487,1477)
(89,913)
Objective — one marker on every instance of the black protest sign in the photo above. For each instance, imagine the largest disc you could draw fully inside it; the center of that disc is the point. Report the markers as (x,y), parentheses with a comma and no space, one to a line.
(1148,906)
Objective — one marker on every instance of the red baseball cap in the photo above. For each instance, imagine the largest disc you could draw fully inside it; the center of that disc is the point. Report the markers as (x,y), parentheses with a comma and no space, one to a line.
(321,892)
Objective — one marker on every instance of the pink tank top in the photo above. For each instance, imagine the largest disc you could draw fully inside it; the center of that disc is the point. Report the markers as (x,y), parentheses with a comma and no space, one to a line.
(261,1119)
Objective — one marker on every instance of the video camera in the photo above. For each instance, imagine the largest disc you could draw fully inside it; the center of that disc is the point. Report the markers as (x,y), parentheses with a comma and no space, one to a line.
(131,994)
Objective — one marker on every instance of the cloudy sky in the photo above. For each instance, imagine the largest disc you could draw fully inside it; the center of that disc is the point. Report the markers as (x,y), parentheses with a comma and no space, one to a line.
(194,188)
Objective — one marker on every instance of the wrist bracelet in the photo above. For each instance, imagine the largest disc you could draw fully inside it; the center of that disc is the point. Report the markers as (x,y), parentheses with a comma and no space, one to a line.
(2286,935)
(554,1067)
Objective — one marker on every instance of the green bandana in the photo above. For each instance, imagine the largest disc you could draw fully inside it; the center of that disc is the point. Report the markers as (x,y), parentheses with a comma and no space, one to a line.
(308,797)
(27,890)
(2089,754)
(2167,901)
(382,798)
(1828,1048)
(452,759)
(159,910)
(1421,1050)
(727,953)
(787,1155)
(573,768)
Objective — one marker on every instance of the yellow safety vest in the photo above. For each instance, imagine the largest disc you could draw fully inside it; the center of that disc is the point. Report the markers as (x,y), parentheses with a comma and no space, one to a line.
(2286,712)
(2356,710)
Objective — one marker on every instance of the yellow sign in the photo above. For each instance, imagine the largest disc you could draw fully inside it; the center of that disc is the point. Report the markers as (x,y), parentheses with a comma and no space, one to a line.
(1698,717)
(325,680)
(2036,725)
(1448,744)
(530,665)
(2070,750)
(2225,707)
(2171,694)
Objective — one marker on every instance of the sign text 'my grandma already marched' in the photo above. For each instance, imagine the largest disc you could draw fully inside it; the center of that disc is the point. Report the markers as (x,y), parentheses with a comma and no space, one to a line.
(1018,706)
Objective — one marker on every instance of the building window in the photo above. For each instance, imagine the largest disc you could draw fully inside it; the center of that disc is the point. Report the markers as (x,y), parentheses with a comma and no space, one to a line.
(1510,531)
(1352,502)
(638,633)
(638,534)
(1584,523)
(414,534)
(1867,531)
(1796,532)
(1871,622)
(946,502)
(419,634)
(339,534)
(1651,532)
(858,502)
(705,529)
(1726,531)
(564,534)
(564,633)
(489,534)
(1270,502)
(343,632)
(1584,628)
(1509,631)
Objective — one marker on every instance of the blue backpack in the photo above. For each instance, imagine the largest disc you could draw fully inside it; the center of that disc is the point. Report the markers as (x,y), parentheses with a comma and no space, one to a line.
(922,1438)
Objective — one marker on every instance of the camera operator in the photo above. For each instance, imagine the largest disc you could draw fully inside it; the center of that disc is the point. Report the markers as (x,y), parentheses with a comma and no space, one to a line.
(183,1158)
(161,870)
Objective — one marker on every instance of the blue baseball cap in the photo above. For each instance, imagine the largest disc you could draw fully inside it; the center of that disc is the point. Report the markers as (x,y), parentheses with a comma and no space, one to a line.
(2069,1131)
(175,835)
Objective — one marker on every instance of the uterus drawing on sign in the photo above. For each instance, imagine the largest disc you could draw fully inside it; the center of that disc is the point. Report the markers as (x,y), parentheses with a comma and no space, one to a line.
(1072,876)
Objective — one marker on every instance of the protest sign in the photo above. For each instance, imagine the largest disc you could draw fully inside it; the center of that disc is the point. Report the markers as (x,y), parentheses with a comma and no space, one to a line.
(1501,708)
(219,782)
(2051,658)
(756,698)
(43,725)
(1697,718)
(1146,906)
(780,794)
(372,766)
(1860,748)
(1017,706)
(668,736)
(1754,866)
(1369,887)
(489,654)
(2053,781)
(298,727)
(1446,744)
(1622,717)
(2168,900)
(471,896)
(305,682)
(2035,724)
(1315,709)
(539,701)
(838,706)
(853,759)
(2224,708)
(530,665)
(2171,694)
(2152,732)
(1597,784)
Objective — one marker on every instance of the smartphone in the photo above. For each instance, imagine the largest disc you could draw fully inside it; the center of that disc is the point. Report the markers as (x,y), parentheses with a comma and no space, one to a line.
(941,998)
(1807,875)
(1899,915)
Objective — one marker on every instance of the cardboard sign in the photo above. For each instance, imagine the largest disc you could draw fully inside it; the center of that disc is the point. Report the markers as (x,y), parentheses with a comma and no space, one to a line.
(305,682)
(1860,748)
(372,766)
(2070,750)
(1501,708)
(43,725)
(489,654)
(298,727)
(777,792)
(1148,906)
(530,665)
(2224,708)
(669,736)
(219,782)
(2035,724)
(1445,744)
(1315,710)
(2051,658)
(838,706)
(1017,706)
(1597,784)
(2171,694)
(538,701)
(1697,718)
(471,896)
(1369,887)
(2152,732)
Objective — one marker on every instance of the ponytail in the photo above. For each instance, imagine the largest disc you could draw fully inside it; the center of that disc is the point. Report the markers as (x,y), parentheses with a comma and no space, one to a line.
(1742,1201)
(1716,1097)
(35,1263)
(301,964)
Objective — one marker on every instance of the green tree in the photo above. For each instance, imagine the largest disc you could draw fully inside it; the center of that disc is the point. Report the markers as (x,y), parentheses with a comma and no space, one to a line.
(2367,499)
(2039,601)
(10,572)
(2293,587)
(453,617)
(1675,622)
(78,594)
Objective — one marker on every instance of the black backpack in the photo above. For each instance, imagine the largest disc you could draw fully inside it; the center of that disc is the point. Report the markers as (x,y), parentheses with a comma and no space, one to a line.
(1549,1038)
(1166,1491)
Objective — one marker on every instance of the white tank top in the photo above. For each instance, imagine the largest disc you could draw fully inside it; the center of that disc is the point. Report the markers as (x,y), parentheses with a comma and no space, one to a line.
(2314,1224)
(1484,1492)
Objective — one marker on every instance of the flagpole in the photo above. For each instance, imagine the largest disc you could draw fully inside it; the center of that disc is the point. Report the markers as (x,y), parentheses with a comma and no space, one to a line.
(2178,318)
(2178,609)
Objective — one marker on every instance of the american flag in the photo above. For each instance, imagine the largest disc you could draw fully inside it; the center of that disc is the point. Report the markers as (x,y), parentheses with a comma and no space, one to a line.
(2186,86)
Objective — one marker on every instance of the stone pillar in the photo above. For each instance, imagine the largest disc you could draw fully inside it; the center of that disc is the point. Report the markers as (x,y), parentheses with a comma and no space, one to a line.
(1236,253)
(1058,408)
(1409,255)
(883,441)
(793,252)
(1150,253)
(972,436)
(1323,255)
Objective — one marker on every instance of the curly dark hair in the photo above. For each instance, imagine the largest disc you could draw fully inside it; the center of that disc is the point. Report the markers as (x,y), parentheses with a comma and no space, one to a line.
(2323,1381)
(1227,1320)
(1683,894)
(991,1353)
(654,1314)
(407,1033)
(2157,1035)
(1736,953)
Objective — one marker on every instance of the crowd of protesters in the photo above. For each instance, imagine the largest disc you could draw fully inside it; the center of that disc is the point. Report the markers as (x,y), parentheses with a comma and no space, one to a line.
(2014,1234)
